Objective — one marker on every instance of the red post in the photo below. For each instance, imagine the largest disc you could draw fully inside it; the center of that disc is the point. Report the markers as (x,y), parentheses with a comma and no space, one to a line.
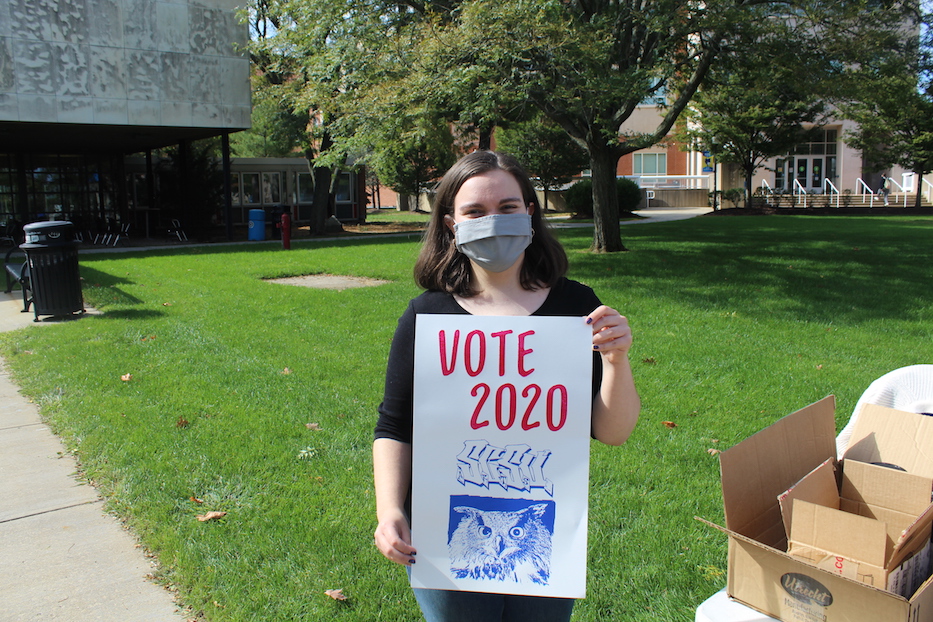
(286,226)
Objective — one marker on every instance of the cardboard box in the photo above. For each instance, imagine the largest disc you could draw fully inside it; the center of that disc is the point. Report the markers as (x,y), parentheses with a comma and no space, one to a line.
(865,522)
(759,470)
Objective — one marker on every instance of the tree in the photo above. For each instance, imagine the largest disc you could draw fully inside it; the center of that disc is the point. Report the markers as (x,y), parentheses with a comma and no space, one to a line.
(546,151)
(588,65)
(411,152)
(750,109)
(277,131)
(285,66)
(893,105)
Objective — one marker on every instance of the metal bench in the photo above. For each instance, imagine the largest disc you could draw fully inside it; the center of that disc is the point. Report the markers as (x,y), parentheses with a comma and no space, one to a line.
(18,272)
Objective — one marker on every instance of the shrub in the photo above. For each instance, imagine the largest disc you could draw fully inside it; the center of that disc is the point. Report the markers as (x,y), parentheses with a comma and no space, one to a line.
(579,197)
(734,195)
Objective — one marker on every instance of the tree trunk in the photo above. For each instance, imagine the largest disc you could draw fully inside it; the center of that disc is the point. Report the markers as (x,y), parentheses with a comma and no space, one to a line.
(749,175)
(405,202)
(607,235)
(917,199)
(322,176)
(485,137)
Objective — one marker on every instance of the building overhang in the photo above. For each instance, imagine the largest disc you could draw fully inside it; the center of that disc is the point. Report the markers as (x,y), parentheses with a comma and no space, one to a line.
(63,138)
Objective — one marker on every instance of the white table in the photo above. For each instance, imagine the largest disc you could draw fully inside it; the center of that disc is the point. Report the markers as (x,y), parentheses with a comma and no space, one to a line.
(720,608)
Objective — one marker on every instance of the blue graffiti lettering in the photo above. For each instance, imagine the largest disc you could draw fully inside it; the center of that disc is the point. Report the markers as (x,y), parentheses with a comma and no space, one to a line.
(512,467)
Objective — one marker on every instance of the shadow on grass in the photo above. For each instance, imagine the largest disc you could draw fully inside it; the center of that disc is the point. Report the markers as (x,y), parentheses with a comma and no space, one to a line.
(272,246)
(794,268)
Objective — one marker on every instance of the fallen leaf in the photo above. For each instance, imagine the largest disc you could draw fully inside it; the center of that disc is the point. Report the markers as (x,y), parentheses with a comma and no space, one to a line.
(126,377)
(211,516)
(336,594)
(196,500)
(286,371)
(819,367)
(669,424)
(166,304)
(313,426)
(649,361)
(182,423)
(713,452)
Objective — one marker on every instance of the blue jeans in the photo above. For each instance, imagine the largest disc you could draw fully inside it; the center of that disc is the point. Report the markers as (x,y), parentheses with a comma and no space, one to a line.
(450,606)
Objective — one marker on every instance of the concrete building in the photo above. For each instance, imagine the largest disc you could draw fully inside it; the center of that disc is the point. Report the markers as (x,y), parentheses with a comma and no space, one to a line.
(83,83)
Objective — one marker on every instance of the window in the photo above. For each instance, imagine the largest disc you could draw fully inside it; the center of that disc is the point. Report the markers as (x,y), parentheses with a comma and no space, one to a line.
(658,98)
(649,164)
(235,189)
(343,189)
(305,188)
(271,189)
(250,188)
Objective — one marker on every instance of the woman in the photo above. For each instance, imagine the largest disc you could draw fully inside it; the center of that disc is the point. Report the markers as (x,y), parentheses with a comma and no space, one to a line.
(487,251)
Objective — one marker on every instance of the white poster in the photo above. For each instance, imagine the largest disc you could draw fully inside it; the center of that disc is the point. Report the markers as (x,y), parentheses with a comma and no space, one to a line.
(500,461)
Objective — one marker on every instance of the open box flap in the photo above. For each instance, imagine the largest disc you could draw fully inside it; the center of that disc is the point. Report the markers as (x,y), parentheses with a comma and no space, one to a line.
(818,486)
(887,488)
(886,435)
(912,538)
(841,533)
(765,465)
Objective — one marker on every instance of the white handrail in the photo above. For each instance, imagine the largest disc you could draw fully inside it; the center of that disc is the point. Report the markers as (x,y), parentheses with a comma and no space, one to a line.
(802,190)
(835,190)
(903,192)
(670,181)
(929,189)
(765,184)
(866,189)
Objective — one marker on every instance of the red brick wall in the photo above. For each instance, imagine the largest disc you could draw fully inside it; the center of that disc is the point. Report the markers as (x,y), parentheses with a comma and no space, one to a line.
(676,161)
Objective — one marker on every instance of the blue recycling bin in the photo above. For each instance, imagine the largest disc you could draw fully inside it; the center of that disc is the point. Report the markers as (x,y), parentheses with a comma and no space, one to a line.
(257,225)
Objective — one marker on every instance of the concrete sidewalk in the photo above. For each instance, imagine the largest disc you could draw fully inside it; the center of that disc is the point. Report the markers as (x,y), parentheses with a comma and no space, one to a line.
(61,556)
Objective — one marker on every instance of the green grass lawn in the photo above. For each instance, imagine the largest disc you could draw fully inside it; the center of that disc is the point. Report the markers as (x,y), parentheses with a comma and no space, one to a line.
(737,321)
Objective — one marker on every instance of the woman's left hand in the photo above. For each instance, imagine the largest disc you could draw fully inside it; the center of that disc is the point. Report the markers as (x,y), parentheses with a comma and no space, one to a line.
(612,336)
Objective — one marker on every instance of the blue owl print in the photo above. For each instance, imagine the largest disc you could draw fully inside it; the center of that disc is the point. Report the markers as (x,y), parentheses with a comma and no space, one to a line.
(500,539)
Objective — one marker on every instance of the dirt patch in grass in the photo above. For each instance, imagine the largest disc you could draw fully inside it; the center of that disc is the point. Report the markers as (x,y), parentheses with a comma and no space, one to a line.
(386,227)
(328,281)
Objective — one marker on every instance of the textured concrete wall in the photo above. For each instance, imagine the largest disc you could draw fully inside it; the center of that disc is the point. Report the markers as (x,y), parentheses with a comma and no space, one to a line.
(124,62)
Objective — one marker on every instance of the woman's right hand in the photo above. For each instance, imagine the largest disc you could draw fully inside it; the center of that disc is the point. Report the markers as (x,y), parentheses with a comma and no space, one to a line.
(393,539)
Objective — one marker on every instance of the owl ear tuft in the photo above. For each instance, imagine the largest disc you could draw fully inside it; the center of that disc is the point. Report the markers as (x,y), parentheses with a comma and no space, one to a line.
(467,511)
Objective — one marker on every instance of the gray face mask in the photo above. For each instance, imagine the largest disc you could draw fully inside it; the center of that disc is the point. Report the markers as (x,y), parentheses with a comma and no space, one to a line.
(494,242)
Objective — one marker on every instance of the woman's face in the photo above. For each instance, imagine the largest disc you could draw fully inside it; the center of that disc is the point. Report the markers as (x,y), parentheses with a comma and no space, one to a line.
(492,192)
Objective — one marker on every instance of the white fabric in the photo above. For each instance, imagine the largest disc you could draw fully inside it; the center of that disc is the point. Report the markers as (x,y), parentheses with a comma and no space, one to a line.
(909,389)
(720,608)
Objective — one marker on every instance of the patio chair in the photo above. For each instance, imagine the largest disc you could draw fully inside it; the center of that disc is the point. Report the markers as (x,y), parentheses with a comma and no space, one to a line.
(176,230)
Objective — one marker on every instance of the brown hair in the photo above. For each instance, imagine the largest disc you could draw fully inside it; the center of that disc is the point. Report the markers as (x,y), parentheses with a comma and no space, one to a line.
(441,267)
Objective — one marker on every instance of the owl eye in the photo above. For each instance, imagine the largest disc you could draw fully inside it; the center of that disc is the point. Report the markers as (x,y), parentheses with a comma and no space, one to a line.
(485,531)
(516,532)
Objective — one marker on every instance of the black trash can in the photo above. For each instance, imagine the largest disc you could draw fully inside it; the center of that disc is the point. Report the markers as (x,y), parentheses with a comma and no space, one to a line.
(52,260)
